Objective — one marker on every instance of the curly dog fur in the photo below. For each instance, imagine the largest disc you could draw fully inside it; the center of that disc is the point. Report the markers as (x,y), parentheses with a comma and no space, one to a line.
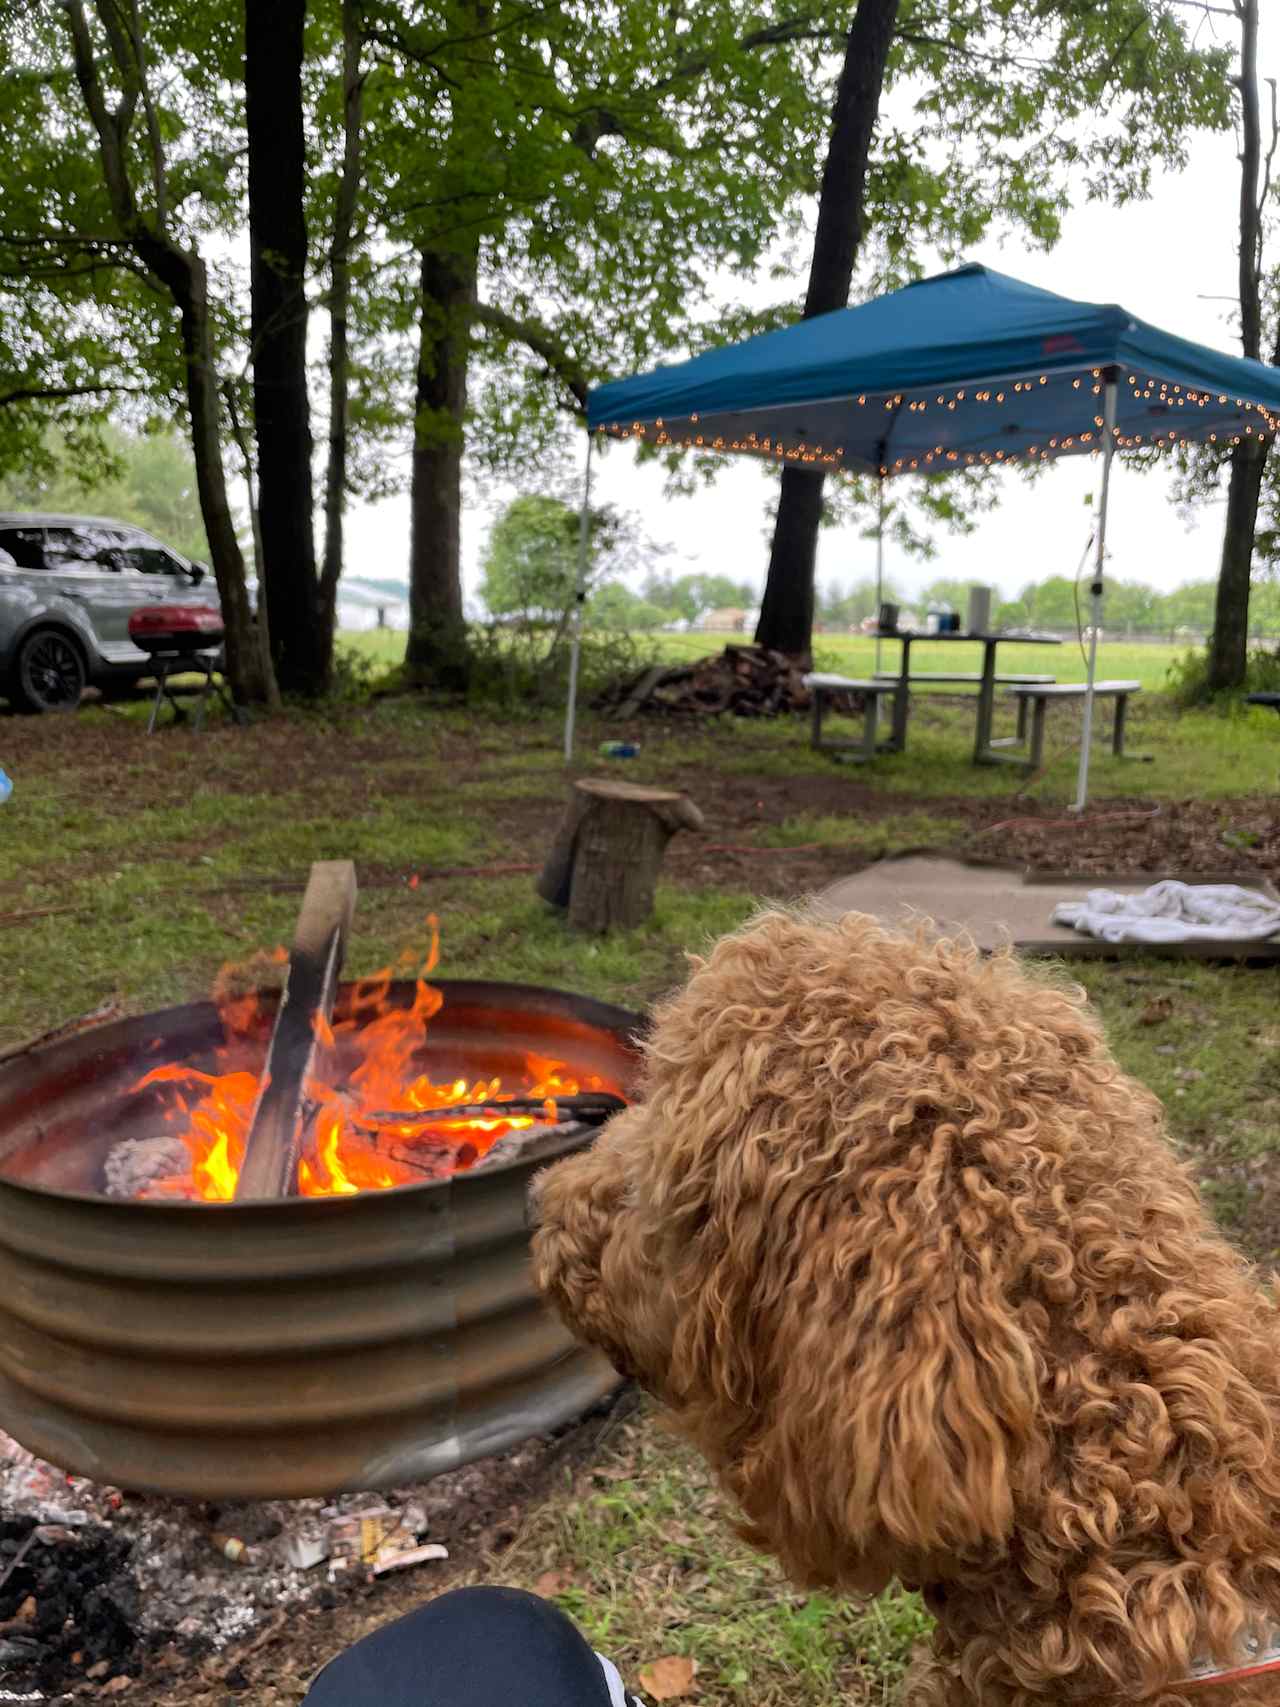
(911,1262)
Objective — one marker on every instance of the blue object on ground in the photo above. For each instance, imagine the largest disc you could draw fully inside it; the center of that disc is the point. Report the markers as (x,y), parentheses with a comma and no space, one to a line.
(6,787)
(619,749)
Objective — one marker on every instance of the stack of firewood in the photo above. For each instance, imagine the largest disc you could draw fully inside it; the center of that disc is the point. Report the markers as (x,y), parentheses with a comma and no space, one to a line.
(748,681)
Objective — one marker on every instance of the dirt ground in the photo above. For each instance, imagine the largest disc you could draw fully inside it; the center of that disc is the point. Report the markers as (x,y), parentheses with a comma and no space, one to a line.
(476,1512)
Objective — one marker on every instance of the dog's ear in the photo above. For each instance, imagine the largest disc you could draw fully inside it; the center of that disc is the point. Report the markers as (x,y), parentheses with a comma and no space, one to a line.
(942,1385)
(575,1205)
(864,1383)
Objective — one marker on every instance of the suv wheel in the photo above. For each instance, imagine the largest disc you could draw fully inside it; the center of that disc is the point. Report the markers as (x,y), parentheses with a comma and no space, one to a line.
(48,673)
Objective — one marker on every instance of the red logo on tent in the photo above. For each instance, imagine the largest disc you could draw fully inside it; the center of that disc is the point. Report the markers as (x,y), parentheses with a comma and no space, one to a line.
(1063,345)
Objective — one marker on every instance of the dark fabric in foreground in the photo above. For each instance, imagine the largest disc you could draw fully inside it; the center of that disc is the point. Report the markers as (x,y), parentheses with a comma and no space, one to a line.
(475,1647)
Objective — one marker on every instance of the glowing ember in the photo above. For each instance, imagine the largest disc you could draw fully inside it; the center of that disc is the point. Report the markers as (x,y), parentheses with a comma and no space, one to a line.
(365,1068)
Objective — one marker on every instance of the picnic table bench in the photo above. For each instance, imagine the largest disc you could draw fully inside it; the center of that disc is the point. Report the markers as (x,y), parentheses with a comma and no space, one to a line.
(896,687)
(966,677)
(1040,696)
(973,678)
(1271,699)
(985,749)
(825,687)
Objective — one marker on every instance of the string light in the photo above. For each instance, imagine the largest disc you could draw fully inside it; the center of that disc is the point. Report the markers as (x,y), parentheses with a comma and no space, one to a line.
(1159,396)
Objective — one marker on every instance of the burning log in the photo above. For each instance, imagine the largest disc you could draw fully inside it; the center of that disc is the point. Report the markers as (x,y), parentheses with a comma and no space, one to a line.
(603,867)
(270,1165)
(590,1107)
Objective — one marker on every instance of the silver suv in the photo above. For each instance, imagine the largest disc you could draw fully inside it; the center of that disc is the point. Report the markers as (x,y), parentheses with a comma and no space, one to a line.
(67,587)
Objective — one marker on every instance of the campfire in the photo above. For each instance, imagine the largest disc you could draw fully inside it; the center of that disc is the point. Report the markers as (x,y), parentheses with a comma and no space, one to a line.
(177,1190)
(370,1113)
(371,1118)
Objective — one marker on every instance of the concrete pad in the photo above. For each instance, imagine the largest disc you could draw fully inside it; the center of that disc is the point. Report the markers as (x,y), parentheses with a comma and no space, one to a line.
(997,906)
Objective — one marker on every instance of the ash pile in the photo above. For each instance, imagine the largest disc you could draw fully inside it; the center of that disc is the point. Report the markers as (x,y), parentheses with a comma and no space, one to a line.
(93,1579)
(746,681)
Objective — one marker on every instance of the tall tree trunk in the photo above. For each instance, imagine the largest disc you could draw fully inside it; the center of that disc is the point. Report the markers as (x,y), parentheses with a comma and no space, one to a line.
(437,648)
(344,216)
(278,322)
(786,613)
(251,495)
(247,670)
(182,274)
(1229,642)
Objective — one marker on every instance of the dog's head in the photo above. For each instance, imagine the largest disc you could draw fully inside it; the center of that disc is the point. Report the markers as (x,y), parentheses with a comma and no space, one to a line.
(809,1234)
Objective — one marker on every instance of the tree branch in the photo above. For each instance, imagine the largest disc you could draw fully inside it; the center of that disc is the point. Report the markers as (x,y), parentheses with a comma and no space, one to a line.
(110,14)
(1250,157)
(119,189)
(49,239)
(394,38)
(543,343)
(51,393)
(1267,164)
(999,60)
(154,138)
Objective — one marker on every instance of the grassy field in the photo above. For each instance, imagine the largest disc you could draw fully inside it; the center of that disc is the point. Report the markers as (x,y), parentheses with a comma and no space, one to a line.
(132,867)
(853,655)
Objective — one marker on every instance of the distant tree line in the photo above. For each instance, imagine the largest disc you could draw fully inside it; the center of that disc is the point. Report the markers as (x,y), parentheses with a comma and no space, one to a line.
(1129,606)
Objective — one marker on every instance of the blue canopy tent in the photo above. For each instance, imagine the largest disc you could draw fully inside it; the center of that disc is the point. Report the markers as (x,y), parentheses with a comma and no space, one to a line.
(968,369)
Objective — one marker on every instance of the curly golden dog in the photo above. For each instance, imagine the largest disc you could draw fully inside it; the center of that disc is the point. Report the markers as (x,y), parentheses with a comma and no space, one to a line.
(912,1263)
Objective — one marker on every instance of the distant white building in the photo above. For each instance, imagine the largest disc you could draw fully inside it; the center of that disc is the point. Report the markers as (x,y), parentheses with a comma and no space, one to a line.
(361,606)
(726,620)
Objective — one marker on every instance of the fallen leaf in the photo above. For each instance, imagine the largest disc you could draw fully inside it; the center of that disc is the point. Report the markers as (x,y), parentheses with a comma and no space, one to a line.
(552,1583)
(27,1611)
(118,1685)
(98,1669)
(670,1678)
(1155,1013)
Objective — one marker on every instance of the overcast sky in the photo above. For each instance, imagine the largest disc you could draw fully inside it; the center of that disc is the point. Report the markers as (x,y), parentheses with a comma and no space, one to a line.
(1169,260)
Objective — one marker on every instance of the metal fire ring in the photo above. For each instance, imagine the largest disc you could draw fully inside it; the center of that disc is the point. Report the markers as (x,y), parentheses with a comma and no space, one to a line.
(280,1349)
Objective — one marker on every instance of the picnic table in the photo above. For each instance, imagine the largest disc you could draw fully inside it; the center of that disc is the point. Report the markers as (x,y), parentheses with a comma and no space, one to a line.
(985,750)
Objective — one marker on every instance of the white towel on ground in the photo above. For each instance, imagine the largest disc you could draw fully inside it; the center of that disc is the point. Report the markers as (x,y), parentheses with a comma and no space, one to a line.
(1174,912)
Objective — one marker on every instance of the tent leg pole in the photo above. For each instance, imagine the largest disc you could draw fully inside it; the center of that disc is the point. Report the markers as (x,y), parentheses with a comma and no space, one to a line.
(1095,591)
(579,599)
(879,561)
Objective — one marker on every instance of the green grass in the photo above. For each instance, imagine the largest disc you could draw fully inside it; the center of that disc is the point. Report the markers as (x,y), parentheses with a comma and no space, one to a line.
(1201,753)
(165,848)
(855,655)
(892,834)
(1206,1040)
(639,1552)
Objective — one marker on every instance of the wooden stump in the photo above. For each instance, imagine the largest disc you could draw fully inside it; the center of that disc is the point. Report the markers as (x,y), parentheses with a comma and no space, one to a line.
(603,867)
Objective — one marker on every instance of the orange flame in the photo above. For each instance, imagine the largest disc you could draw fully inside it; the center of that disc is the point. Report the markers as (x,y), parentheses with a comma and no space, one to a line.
(352,1146)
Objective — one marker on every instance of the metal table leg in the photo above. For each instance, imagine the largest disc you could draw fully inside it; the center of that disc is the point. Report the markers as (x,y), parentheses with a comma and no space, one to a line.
(163,666)
(901,700)
(205,691)
(1117,730)
(986,704)
(155,703)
